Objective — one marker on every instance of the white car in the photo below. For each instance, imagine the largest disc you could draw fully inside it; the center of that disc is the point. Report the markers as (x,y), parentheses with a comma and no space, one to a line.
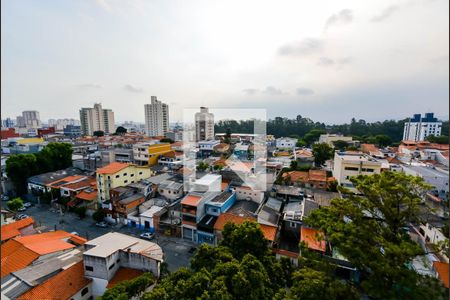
(22,216)
(27,204)
(74,233)
(147,236)
(23,208)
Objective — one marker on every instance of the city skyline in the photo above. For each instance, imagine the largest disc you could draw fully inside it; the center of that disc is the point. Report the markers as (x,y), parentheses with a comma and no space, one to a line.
(328,61)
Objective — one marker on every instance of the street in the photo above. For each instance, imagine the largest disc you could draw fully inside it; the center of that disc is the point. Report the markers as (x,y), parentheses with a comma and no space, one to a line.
(176,253)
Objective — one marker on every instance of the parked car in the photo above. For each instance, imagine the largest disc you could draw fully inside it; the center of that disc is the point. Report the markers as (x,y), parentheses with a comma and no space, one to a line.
(4,198)
(27,204)
(74,233)
(147,236)
(23,208)
(22,216)
(101,224)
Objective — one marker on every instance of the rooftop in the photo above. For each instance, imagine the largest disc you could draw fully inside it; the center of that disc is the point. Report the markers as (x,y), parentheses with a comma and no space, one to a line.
(12,229)
(112,242)
(73,279)
(123,274)
(152,211)
(312,239)
(208,179)
(221,198)
(112,168)
(191,200)
(442,271)
(47,178)
(244,208)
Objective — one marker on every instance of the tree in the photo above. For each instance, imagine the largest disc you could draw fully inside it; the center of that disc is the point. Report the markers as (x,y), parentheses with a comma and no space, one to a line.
(442,139)
(313,136)
(99,215)
(129,288)
(340,145)
(19,167)
(167,140)
(322,152)
(383,140)
(99,133)
(369,231)
(121,130)
(15,204)
(217,167)
(300,143)
(202,166)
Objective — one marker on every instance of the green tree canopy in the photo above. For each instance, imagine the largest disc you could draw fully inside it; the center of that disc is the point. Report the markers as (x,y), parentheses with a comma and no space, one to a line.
(369,231)
(98,133)
(340,145)
(322,152)
(442,139)
(99,215)
(167,140)
(15,204)
(121,130)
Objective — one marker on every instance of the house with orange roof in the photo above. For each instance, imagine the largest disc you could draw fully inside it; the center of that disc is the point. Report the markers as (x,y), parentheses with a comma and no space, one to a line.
(172,159)
(317,179)
(118,174)
(43,182)
(18,228)
(20,252)
(313,239)
(371,149)
(441,270)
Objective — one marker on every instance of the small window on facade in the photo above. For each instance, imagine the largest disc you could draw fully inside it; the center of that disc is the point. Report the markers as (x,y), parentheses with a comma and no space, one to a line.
(131,175)
(111,266)
(84,291)
(140,173)
(125,181)
(124,174)
(89,268)
(117,176)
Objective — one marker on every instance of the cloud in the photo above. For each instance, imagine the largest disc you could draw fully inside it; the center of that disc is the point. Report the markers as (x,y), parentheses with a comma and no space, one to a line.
(345,60)
(306,46)
(304,92)
(343,17)
(90,86)
(270,90)
(250,91)
(325,61)
(386,13)
(103,4)
(133,89)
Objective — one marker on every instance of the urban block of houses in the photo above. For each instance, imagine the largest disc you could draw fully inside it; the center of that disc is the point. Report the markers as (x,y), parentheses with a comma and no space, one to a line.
(118,174)
(241,151)
(42,182)
(317,179)
(331,138)
(171,160)
(206,148)
(104,256)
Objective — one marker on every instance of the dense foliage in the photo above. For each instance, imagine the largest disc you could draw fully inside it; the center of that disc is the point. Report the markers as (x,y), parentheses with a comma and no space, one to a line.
(301,126)
(128,288)
(322,152)
(371,233)
(15,204)
(242,267)
(121,130)
(54,156)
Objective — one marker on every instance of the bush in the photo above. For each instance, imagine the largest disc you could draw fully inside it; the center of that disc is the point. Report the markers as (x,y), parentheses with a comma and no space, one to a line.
(15,204)
(129,288)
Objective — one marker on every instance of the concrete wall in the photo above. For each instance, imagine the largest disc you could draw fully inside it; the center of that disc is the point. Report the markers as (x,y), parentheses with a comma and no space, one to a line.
(87,294)
(140,262)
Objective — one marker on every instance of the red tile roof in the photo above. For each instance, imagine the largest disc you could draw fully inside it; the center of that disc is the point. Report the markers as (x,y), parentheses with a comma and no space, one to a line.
(191,200)
(269,231)
(442,271)
(67,179)
(227,217)
(88,196)
(112,168)
(61,286)
(123,274)
(12,229)
(15,257)
(311,238)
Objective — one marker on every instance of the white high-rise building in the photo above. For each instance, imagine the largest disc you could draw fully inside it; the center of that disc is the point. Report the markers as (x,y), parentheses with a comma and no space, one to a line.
(97,119)
(204,125)
(31,119)
(418,128)
(156,118)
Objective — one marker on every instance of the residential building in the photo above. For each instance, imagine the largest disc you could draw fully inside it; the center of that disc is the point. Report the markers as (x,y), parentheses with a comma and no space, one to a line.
(8,123)
(155,151)
(310,179)
(172,160)
(285,143)
(206,148)
(436,177)
(349,164)
(192,212)
(42,183)
(72,130)
(204,125)
(244,192)
(418,128)
(20,122)
(149,219)
(175,135)
(105,255)
(22,227)
(241,150)
(97,119)
(331,138)
(156,118)
(140,153)
(118,174)
(171,189)
(6,133)
(31,119)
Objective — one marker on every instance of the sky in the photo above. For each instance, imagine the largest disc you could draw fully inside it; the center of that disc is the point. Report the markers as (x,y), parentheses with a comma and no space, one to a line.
(327,60)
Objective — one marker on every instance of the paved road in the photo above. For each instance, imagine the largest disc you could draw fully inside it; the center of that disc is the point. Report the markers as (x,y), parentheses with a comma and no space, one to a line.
(175,249)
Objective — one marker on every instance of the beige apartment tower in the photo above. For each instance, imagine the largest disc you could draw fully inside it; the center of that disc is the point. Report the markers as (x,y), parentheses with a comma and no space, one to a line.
(204,125)
(97,119)
(156,118)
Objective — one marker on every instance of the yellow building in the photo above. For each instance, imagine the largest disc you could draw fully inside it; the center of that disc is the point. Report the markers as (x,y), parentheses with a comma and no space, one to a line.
(27,141)
(154,151)
(118,174)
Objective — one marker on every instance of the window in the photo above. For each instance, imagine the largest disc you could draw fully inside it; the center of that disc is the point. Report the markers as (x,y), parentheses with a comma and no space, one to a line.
(292,224)
(140,173)
(367,170)
(131,175)
(118,260)
(111,266)
(117,176)
(124,174)
(84,291)
(125,181)
(351,169)
(89,268)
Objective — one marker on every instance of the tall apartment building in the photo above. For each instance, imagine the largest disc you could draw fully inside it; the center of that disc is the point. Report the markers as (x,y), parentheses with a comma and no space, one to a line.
(156,118)
(418,128)
(29,119)
(97,119)
(204,125)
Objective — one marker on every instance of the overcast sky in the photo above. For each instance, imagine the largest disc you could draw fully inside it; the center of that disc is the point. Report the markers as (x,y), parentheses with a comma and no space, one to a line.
(328,60)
